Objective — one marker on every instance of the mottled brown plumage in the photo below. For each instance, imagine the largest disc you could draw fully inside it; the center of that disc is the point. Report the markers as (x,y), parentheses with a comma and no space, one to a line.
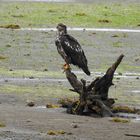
(70,50)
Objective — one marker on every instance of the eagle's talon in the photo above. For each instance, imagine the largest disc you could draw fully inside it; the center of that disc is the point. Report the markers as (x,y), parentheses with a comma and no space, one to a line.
(66,67)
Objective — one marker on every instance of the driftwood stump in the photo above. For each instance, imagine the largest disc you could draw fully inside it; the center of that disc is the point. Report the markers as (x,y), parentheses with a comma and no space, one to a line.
(93,98)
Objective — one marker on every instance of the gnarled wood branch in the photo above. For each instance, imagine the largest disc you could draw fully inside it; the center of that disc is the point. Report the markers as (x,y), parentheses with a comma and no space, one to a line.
(94,95)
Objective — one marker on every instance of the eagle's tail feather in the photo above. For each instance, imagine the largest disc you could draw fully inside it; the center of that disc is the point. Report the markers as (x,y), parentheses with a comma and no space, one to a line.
(86,71)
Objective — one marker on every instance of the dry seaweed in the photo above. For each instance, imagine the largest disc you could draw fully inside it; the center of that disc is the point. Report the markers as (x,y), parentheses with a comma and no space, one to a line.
(2,124)
(10,26)
(2,57)
(53,106)
(124,109)
(120,120)
(104,21)
(56,132)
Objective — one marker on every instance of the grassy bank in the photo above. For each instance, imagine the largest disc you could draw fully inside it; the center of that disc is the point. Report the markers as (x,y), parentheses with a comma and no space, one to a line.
(81,15)
(30,73)
(49,91)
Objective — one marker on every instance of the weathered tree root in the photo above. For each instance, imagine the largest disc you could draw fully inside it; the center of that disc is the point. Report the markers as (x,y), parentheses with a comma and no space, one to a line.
(93,97)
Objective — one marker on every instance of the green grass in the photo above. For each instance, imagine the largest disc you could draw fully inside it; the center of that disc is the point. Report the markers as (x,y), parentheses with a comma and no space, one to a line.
(2,124)
(126,67)
(123,68)
(117,44)
(31,73)
(49,91)
(125,98)
(81,15)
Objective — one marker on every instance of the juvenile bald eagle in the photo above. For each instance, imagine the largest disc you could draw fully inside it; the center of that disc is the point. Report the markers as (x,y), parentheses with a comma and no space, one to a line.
(70,50)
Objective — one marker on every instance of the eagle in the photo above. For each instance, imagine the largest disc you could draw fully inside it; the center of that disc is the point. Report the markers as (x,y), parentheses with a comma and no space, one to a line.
(70,50)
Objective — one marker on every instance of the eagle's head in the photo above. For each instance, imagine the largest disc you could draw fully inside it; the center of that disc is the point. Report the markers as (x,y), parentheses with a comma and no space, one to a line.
(62,29)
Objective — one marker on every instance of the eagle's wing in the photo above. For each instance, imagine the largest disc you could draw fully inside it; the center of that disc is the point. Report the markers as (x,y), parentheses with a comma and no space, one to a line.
(71,44)
(73,50)
(61,50)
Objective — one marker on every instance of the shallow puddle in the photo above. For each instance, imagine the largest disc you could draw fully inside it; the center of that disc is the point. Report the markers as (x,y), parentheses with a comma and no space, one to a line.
(135,91)
(82,29)
(32,80)
(131,116)
(42,108)
(137,120)
(96,74)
